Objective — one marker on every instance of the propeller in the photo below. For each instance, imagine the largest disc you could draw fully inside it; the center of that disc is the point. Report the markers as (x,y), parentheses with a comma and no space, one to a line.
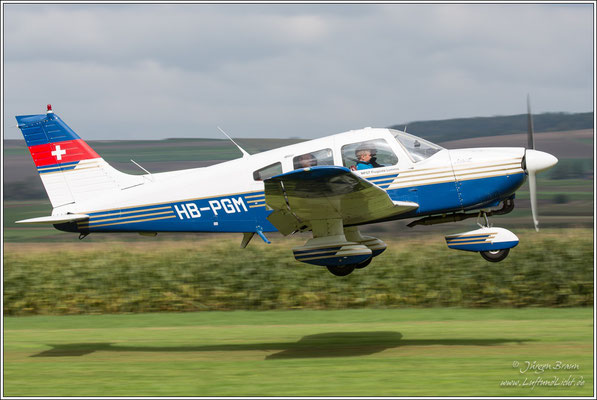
(534,161)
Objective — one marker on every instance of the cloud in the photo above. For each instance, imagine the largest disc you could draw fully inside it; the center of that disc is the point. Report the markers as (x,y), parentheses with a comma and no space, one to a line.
(155,71)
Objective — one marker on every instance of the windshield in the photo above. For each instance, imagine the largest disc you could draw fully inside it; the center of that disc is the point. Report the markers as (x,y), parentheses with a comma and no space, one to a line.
(419,149)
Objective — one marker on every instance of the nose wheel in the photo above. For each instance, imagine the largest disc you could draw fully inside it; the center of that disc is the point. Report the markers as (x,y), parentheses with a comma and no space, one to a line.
(495,255)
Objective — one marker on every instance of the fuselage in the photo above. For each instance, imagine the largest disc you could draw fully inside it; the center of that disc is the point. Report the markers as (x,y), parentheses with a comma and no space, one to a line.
(229,197)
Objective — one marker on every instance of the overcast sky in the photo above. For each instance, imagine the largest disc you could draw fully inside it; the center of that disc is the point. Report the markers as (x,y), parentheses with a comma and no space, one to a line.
(161,71)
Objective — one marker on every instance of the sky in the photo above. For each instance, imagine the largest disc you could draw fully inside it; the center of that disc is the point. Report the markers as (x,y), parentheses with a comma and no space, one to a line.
(155,71)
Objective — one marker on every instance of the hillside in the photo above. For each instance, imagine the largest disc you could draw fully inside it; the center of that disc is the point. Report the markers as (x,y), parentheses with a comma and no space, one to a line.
(21,181)
(462,128)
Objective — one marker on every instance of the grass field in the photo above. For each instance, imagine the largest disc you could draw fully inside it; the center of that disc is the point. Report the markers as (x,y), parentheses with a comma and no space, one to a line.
(366,352)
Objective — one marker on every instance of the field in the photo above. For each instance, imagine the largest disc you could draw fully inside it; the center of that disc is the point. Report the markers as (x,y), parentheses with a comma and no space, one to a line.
(81,317)
(549,269)
(403,352)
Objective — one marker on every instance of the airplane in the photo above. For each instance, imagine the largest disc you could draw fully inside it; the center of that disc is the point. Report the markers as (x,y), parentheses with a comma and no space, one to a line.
(329,186)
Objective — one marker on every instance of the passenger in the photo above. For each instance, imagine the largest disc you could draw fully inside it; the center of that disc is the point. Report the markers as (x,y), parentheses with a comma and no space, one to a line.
(307,160)
(366,157)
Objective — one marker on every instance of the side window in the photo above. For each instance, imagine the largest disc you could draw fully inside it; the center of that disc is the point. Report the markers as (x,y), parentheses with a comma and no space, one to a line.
(370,154)
(267,172)
(319,157)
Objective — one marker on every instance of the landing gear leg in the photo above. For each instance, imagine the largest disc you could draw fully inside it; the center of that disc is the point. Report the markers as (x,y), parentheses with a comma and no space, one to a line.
(491,255)
(483,214)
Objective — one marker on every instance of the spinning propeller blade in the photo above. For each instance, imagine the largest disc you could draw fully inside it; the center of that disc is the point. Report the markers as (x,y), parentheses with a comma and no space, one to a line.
(530,139)
(533,192)
(534,162)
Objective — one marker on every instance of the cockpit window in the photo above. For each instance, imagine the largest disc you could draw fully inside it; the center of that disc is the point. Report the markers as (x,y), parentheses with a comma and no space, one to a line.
(373,153)
(418,149)
(319,157)
(267,172)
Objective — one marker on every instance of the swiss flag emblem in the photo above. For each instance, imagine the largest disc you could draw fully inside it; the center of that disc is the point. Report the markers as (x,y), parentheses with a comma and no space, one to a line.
(62,152)
(58,153)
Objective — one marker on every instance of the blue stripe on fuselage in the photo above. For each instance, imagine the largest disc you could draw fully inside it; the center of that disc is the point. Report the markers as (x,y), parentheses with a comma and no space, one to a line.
(244,212)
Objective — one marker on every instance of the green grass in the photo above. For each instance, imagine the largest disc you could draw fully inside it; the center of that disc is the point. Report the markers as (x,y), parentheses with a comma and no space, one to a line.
(367,352)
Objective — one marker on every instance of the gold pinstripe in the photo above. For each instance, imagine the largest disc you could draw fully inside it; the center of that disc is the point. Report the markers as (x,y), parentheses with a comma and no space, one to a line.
(471,235)
(402,184)
(471,242)
(490,176)
(123,218)
(511,170)
(459,240)
(131,222)
(130,212)
(174,201)
(424,171)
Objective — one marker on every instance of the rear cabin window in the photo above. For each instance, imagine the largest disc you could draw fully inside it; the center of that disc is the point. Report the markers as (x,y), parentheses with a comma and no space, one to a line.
(374,153)
(267,172)
(319,157)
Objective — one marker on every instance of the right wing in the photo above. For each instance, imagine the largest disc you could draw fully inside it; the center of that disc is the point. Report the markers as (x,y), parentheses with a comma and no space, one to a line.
(327,192)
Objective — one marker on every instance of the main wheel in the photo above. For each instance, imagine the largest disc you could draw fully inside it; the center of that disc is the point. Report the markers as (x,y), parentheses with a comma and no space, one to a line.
(364,263)
(495,255)
(341,270)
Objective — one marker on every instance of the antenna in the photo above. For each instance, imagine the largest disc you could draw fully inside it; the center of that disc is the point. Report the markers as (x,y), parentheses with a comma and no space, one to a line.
(245,154)
(149,173)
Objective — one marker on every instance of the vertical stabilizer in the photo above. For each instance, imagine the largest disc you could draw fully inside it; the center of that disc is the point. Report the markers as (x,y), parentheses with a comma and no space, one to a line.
(71,171)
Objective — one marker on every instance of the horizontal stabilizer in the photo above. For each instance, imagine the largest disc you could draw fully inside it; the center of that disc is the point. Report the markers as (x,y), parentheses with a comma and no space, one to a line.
(54,219)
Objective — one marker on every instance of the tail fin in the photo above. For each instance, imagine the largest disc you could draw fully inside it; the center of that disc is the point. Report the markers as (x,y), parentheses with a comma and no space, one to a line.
(70,170)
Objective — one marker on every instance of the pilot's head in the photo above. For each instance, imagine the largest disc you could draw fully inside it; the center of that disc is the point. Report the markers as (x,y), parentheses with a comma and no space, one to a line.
(365,152)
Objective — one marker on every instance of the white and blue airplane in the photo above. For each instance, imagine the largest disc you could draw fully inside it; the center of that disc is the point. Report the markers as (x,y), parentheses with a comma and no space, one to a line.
(329,186)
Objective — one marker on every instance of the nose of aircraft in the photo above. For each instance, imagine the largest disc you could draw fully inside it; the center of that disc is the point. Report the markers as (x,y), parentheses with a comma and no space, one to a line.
(539,161)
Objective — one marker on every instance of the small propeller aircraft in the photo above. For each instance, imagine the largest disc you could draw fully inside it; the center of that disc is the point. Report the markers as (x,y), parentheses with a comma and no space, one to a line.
(328,186)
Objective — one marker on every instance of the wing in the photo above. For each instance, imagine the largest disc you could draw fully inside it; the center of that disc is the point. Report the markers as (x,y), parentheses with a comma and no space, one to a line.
(327,192)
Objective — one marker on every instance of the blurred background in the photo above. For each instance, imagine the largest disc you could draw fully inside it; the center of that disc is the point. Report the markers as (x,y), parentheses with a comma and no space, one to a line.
(151,82)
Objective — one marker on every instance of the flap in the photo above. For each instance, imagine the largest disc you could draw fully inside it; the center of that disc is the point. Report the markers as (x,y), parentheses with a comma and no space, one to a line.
(327,192)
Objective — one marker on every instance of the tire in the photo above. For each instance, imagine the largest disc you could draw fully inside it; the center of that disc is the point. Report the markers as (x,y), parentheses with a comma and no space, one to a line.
(364,263)
(341,270)
(495,255)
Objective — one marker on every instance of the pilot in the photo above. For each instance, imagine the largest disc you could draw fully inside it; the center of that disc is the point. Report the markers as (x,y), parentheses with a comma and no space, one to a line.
(307,160)
(366,157)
